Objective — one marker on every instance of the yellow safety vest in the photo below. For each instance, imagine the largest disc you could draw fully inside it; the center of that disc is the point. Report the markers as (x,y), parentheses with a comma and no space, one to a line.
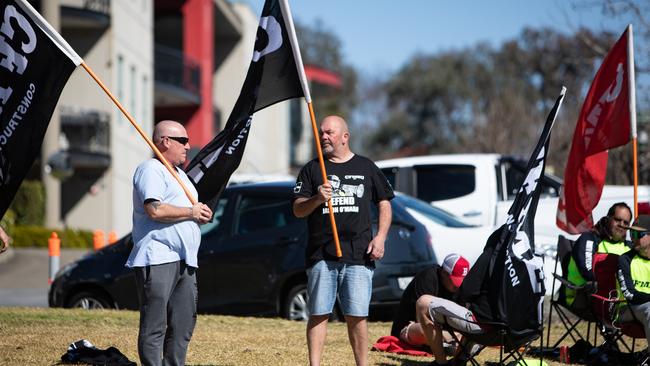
(640,272)
(574,275)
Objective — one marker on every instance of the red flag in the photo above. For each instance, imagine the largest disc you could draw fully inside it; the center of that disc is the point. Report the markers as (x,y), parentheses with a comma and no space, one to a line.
(604,123)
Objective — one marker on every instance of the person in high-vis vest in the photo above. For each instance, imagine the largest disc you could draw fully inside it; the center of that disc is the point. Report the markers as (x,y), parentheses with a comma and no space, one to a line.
(607,236)
(634,275)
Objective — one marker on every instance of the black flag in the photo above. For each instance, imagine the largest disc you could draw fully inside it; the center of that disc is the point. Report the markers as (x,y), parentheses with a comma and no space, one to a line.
(35,64)
(272,77)
(506,284)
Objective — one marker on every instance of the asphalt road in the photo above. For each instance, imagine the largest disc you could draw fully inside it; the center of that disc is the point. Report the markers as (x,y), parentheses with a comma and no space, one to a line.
(24,272)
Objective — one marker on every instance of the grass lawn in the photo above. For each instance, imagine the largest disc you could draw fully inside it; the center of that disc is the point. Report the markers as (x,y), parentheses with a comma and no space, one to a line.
(36,336)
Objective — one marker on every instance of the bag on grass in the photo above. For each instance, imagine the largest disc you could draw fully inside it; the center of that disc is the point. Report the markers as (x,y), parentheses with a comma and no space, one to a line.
(82,351)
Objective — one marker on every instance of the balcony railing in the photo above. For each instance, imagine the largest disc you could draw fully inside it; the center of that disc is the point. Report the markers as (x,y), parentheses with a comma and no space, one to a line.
(86,129)
(85,14)
(175,69)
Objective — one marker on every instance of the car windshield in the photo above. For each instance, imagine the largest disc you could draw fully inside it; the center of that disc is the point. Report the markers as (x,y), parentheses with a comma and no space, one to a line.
(436,214)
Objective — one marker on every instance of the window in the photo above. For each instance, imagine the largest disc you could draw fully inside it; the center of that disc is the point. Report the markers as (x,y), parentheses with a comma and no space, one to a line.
(120,85)
(216,218)
(515,174)
(144,116)
(435,214)
(443,182)
(263,213)
(133,95)
(295,130)
(390,174)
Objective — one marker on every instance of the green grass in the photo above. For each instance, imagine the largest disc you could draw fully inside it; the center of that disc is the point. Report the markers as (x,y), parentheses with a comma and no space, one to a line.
(34,336)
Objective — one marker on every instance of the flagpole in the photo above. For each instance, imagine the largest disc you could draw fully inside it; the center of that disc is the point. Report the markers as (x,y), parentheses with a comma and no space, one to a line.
(632,106)
(321,162)
(141,132)
(288,20)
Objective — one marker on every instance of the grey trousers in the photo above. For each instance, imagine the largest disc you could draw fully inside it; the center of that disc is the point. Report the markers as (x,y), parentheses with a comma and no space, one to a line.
(443,311)
(168,295)
(641,313)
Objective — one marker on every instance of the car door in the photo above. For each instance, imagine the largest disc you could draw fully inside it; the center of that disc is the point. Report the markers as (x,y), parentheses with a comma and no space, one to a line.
(264,242)
(213,236)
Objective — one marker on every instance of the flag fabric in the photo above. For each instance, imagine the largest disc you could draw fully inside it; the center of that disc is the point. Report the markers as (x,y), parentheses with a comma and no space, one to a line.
(604,123)
(272,77)
(35,64)
(506,284)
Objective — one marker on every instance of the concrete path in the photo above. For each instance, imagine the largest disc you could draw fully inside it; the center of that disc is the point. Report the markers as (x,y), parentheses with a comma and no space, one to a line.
(24,272)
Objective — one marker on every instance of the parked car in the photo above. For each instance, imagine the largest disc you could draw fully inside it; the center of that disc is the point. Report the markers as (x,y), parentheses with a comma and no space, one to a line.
(251,260)
(480,188)
(449,233)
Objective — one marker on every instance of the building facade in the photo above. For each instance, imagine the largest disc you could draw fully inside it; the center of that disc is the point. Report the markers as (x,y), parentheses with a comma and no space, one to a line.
(184,60)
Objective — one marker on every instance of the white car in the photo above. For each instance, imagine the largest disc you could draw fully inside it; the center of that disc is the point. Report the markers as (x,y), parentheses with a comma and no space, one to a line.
(449,234)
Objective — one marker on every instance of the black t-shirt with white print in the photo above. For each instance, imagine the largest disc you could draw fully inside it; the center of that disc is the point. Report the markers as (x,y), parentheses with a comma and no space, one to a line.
(356,184)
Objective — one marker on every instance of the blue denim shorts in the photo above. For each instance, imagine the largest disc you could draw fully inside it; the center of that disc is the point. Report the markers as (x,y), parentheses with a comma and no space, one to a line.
(353,283)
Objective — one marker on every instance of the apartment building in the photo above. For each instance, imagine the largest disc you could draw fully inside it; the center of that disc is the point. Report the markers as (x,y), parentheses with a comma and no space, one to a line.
(166,59)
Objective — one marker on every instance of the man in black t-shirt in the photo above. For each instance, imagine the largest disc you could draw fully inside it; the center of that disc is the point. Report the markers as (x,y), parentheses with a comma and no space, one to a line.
(354,184)
(442,282)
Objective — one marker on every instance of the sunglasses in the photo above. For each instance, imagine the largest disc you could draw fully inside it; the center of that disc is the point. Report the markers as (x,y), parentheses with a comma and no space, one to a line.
(180,140)
(638,234)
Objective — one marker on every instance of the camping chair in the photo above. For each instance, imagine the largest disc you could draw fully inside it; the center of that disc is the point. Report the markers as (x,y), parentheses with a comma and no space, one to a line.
(581,306)
(498,335)
(607,305)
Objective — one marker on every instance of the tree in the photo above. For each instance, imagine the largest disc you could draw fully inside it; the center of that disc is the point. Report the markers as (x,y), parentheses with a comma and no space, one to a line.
(484,99)
(320,47)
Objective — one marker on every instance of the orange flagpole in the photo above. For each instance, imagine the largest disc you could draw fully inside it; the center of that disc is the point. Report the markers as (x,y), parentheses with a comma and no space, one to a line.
(141,132)
(321,161)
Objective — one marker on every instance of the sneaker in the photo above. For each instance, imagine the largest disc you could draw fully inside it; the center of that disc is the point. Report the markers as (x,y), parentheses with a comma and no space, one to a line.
(474,349)
(450,348)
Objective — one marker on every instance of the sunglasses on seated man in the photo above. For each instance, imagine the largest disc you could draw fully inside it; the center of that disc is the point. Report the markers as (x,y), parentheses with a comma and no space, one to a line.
(180,140)
(638,234)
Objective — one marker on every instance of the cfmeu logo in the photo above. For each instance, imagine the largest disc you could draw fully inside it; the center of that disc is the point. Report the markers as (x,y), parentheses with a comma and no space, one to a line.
(269,37)
(610,95)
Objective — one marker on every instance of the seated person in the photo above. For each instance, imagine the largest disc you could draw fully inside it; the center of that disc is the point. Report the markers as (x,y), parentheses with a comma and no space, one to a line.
(433,311)
(634,275)
(436,281)
(607,236)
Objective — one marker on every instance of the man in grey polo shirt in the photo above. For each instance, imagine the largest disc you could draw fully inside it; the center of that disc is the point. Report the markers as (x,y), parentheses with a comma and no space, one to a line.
(166,239)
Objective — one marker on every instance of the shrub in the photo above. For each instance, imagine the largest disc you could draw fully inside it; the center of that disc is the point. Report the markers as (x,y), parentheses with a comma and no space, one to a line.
(8,222)
(29,203)
(37,236)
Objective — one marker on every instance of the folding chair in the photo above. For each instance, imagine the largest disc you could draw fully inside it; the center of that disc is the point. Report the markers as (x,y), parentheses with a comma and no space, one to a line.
(580,308)
(499,335)
(607,305)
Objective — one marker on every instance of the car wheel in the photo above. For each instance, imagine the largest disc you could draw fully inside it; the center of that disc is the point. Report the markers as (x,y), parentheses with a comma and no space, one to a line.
(295,304)
(89,300)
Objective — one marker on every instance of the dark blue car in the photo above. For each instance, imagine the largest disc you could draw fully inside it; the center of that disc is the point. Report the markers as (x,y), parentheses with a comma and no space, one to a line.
(251,260)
